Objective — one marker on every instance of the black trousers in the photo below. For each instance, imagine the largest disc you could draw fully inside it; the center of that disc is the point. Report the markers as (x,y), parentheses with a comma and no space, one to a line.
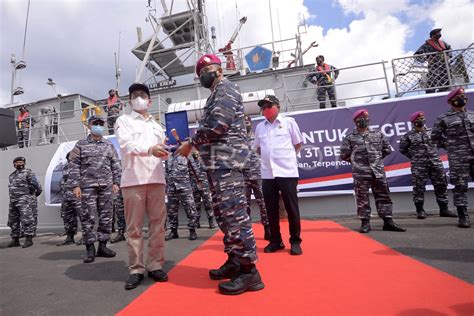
(271,195)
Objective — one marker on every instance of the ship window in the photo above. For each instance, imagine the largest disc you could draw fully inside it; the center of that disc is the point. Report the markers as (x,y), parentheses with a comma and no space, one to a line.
(66,109)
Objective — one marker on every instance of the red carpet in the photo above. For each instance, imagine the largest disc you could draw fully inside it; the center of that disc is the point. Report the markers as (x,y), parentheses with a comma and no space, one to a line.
(340,273)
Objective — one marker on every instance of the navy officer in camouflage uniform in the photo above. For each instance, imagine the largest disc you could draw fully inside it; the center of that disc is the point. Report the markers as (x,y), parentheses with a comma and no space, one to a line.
(70,206)
(201,193)
(221,140)
(95,177)
(179,191)
(22,187)
(119,213)
(454,131)
(365,149)
(253,180)
(425,163)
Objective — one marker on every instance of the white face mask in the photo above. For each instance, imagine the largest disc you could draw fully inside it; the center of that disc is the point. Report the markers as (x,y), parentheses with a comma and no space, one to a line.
(139,104)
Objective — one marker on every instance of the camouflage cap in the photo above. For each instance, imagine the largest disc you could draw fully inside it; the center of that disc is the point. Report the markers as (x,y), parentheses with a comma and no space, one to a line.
(206,60)
(268,99)
(94,118)
(454,93)
(359,113)
(19,159)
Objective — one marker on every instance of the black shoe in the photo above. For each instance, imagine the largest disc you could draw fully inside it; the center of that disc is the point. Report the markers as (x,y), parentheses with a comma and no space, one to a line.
(103,251)
(68,241)
(243,283)
(158,275)
(389,225)
(172,235)
(420,211)
(445,212)
(15,242)
(267,235)
(211,223)
(90,254)
(120,237)
(80,242)
(296,250)
(198,224)
(228,270)
(133,281)
(365,226)
(464,221)
(28,242)
(272,247)
(192,234)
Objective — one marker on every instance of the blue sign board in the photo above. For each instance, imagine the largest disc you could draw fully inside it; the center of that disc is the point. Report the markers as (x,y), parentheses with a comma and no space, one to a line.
(258,58)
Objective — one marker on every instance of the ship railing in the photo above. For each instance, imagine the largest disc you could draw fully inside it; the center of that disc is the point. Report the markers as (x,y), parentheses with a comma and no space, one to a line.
(70,125)
(302,94)
(433,72)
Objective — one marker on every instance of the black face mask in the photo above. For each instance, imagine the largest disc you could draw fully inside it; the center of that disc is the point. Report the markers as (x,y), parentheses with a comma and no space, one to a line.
(459,102)
(437,36)
(362,123)
(207,79)
(419,123)
(20,167)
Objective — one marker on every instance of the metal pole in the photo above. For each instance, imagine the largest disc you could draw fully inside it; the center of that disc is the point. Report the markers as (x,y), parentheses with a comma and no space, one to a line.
(271,26)
(448,72)
(13,78)
(395,79)
(26,28)
(147,55)
(386,79)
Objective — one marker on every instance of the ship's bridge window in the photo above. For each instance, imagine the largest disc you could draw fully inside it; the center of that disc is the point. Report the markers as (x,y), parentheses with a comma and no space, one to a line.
(66,109)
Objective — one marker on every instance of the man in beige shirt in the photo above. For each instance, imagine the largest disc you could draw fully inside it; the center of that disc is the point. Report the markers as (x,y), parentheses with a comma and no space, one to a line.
(143,186)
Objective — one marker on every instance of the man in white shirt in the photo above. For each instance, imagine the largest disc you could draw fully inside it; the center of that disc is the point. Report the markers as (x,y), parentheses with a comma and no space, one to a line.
(278,139)
(143,186)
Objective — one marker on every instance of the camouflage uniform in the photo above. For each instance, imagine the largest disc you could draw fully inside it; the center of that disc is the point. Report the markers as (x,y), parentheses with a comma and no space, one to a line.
(325,84)
(253,182)
(454,131)
(113,112)
(22,187)
(200,186)
(365,151)
(425,163)
(71,205)
(119,211)
(95,168)
(178,190)
(34,207)
(437,71)
(222,142)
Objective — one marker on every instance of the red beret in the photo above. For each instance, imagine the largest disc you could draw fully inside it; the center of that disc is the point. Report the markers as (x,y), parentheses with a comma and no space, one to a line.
(206,60)
(415,115)
(454,93)
(359,113)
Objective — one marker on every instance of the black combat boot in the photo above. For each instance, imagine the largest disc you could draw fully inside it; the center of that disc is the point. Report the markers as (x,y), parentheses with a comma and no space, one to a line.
(463,217)
(103,251)
(364,226)
(389,225)
(420,211)
(90,254)
(267,235)
(248,280)
(211,223)
(120,237)
(192,234)
(68,241)
(173,234)
(228,270)
(28,242)
(15,242)
(198,224)
(444,210)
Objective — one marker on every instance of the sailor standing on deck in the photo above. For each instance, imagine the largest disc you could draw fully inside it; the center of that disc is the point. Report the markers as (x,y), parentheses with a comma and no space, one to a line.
(454,131)
(22,187)
(94,177)
(143,186)
(365,149)
(425,163)
(221,140)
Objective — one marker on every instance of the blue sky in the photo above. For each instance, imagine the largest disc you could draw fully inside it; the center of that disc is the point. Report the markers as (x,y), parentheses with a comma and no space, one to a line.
(329,14)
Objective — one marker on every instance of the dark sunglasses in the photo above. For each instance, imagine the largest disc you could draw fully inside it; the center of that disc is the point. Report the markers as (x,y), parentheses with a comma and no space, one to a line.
(98,123)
